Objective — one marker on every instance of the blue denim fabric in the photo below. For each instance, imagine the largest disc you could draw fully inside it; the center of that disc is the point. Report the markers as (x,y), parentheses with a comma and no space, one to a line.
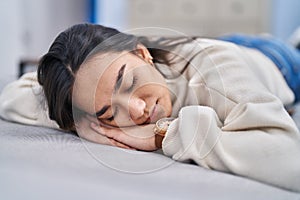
(286,58)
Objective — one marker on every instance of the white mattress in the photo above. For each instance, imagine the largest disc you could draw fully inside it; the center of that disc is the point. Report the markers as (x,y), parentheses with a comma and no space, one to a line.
(41,163)
(46,164)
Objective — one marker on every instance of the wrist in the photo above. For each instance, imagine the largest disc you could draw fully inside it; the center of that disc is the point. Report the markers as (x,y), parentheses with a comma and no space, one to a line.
(158,140)
(160,130)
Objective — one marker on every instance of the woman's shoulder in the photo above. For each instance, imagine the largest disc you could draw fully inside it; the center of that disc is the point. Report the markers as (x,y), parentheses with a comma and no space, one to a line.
(197,45)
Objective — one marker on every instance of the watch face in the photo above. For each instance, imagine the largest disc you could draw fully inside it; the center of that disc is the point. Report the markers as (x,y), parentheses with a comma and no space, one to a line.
(164,123)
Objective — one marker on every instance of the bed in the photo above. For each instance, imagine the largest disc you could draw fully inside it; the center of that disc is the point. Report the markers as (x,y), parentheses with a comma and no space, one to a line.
(43,163)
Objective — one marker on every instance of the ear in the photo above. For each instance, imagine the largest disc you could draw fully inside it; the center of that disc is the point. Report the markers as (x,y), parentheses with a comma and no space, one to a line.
(143,53)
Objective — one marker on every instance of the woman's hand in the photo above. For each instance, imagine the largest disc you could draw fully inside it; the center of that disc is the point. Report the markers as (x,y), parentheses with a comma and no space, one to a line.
(84,130)
(139,137)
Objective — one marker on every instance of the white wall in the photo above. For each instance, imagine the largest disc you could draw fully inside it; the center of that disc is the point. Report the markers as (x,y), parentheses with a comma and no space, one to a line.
(11,47)
(203,17)
(191,17)
(28,27)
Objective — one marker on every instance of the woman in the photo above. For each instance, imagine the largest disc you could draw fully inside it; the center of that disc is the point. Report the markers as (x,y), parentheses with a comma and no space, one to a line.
(227,101)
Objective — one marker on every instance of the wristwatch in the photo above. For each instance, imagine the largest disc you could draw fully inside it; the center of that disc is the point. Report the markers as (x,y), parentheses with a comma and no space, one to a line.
(162,125)
(160,130)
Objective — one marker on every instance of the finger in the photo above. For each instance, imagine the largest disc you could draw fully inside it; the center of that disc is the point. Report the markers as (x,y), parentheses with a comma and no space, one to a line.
(105,132)
(92,119)
(113,133)
(108,132)
(142,143)
(94,137)
(118,135)
(100,139)
(96,127)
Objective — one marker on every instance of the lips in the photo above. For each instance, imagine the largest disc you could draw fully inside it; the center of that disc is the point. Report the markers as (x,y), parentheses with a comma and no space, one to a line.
(152,115)
(153,112)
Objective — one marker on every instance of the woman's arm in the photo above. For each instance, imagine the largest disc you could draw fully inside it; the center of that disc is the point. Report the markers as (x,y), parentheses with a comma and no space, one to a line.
(243,129)
(267,152)
(23,101)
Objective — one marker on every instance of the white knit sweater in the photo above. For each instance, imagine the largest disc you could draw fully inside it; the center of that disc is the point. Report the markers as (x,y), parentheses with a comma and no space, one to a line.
(231,114)
(229,108)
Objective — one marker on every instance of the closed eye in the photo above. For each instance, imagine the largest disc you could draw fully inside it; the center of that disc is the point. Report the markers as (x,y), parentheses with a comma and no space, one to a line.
(114,115)
(111,118)
(128,90)
(133,84)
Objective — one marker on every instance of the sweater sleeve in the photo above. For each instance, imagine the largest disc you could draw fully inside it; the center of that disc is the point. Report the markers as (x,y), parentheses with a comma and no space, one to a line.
(23,101)
(269,155)
(252,136)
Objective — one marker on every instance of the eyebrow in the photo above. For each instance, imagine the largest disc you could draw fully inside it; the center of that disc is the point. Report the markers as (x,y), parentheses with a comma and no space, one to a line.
(118,84)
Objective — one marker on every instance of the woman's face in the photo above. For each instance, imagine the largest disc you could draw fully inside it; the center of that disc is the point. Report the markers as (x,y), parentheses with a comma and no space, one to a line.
(122,89)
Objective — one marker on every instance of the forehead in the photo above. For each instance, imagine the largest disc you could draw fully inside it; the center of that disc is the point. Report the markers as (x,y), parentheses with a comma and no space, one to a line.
(102,68)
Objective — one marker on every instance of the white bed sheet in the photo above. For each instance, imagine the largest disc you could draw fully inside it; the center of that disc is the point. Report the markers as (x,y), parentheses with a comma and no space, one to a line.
(41,163)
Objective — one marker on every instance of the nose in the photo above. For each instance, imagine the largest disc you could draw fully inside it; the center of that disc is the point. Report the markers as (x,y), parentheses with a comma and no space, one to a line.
(136,107)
